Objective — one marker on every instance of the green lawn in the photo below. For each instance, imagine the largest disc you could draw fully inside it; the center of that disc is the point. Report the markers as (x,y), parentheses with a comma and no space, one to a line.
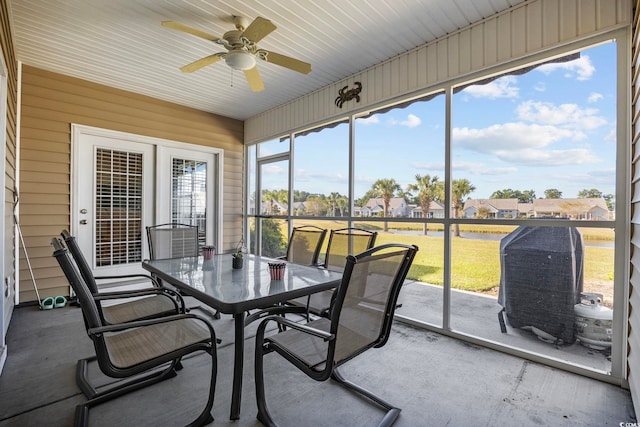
(475,264)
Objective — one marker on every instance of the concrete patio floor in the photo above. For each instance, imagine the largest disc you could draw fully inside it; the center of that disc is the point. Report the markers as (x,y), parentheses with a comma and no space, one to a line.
(436,380)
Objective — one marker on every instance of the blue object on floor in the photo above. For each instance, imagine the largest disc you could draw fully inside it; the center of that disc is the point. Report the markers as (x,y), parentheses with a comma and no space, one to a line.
(60,302)
(47,303)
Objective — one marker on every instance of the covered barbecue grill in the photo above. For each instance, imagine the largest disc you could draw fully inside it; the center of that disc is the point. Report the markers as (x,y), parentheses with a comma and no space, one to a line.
(541,280)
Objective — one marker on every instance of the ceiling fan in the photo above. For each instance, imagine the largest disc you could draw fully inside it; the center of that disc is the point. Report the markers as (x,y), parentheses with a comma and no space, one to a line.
(242,49)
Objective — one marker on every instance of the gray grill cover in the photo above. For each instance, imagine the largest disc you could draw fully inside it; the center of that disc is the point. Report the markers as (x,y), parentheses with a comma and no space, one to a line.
(541,278)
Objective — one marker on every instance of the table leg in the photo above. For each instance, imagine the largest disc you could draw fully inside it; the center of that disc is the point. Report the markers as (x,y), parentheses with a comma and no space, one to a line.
(236,394)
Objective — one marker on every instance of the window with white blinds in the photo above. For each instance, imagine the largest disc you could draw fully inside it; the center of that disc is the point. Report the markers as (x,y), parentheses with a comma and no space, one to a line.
(118,207)
(189,194)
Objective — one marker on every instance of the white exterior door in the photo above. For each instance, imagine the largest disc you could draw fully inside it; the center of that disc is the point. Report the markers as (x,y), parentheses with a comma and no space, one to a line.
(123,183)
(113,202)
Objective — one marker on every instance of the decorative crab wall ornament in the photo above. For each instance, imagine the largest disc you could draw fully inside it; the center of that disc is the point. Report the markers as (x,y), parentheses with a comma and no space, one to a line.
(345,94)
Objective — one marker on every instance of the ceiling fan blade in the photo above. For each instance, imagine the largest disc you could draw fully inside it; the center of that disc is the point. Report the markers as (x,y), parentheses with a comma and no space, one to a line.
(259,29)
(288,62)
(255,81)
(186,29)
(203,62)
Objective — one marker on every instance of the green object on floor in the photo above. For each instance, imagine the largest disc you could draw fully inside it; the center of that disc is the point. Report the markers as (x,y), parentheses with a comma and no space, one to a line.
(47,303)
(60,302)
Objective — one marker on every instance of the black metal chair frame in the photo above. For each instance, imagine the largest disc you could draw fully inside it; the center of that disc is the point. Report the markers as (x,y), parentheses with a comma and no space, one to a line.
(195,252)
(90,280)
(371,236)
(330,334)
(280,308)
(140,374)
(304,229)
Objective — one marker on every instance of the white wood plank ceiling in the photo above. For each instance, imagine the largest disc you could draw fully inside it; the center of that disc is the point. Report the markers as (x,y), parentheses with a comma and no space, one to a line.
(121,43)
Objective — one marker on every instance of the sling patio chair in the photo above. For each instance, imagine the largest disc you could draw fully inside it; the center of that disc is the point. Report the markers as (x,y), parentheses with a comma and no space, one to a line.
(158,301)
(342,242)
(304,248)
(133,351)
(175,240)
(360,319)
(305,244)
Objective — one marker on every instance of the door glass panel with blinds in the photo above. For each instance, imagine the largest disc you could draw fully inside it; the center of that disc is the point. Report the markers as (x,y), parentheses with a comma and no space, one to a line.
(118,207)
(189,194)
(113,199)
(186,190)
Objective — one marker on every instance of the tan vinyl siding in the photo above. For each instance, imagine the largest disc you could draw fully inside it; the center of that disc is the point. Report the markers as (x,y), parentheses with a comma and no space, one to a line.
(526,29)
(6,41)
(50,104)
(633,358)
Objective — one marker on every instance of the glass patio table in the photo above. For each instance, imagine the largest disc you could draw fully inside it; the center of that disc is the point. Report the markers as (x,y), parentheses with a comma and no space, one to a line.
(235,291)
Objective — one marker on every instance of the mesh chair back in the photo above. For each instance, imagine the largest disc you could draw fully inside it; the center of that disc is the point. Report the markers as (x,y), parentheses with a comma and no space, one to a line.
(304,244)
(81,261)
(345,241)
(90,311)
(172,241)
(366,299)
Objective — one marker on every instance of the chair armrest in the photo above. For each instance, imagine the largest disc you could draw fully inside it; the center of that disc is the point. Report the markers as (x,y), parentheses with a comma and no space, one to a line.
(274,310)
(118,327)
(139,276)
(101,296)
(326,336)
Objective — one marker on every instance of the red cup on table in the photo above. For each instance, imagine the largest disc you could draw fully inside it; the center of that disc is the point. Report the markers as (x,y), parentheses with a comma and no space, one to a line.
(276,270)
(208,252)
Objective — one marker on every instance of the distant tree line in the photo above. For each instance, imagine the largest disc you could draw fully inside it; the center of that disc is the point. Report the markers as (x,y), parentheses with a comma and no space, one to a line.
(425,190)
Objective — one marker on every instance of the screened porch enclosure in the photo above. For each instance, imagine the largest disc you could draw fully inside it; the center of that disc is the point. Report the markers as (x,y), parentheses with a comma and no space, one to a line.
(456,171)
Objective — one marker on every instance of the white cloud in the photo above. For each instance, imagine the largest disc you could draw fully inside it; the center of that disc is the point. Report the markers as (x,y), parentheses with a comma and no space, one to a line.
(478,168)
(439,166)
(524,144)
(540,87)
(535,157)
(369,120)
(611,136)
(594,97)
(504,87)
(411,121)
(581,67)
(508,136)
(566,115)
(304,175)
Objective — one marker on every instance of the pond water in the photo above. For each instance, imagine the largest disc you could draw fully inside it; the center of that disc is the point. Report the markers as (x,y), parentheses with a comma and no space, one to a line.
(492,236)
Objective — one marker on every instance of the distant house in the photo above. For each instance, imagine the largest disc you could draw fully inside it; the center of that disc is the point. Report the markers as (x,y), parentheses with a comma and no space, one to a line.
(493,208)
(589,209)
(436,210)
(398,207)
(274,207)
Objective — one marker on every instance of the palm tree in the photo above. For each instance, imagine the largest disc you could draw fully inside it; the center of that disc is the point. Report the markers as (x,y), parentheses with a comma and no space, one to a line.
(428,189)
(343,204)
(332,199)
(385,188)
(460,188)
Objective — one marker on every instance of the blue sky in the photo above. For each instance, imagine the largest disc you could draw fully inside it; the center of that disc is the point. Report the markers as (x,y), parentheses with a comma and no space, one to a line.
(553,127)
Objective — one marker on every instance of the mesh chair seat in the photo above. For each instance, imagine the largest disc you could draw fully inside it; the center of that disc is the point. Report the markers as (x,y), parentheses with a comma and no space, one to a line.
(143,308)
(136,346)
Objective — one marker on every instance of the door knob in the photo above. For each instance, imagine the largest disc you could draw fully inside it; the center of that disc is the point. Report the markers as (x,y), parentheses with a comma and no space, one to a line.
(83,221)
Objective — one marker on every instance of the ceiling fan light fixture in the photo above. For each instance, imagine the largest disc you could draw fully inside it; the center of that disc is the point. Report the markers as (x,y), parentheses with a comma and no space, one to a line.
(240,60)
